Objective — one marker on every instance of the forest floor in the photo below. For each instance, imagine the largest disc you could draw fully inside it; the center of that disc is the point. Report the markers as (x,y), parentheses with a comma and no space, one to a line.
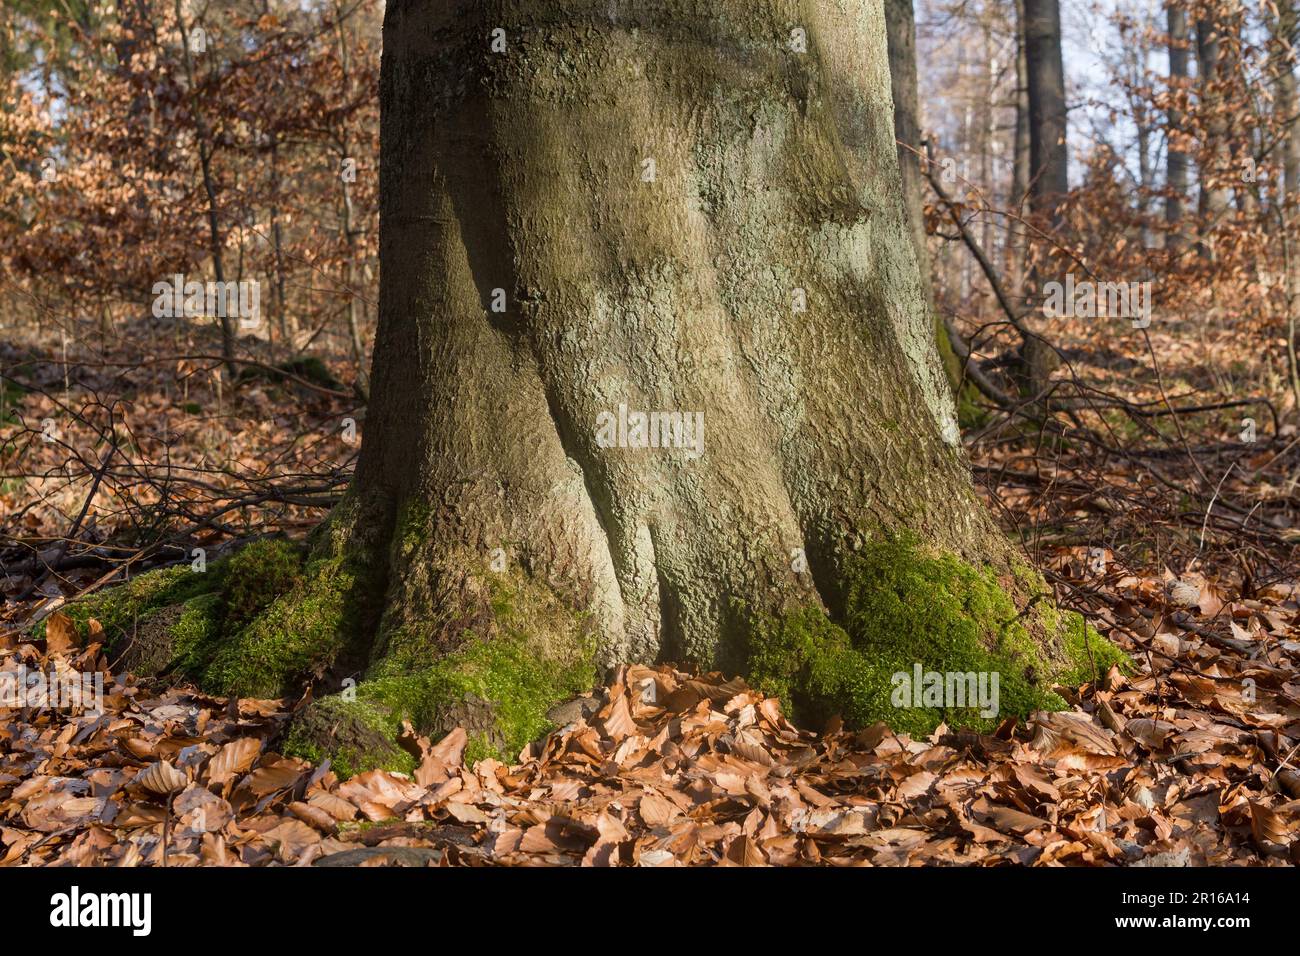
(1177,765)
(1176,539)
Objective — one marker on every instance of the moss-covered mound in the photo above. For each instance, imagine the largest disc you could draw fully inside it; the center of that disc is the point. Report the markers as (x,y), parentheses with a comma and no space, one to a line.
(239,625)
(911,615)
(527,653)
(275,617)
(355,734)
(122,609)
(308,368)
(498,689)
(301,632)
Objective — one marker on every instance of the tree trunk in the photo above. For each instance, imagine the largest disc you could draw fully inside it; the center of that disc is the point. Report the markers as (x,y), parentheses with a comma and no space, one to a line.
(1176,157)
(1214,198)
(215,241)
(348,224)
(655,246)
(1048,162)
(1049,157)
(1286,103)
(1018,238)
(900,26)
(664,207)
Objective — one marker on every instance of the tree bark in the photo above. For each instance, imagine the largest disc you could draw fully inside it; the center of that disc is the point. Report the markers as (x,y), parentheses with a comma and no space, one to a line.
(1286,103)
(1018,238)
(1214,199)
(348,224)
(216,243)
(1049,157)
(1048,160)
(900,26)
(675,294)
(1176,157)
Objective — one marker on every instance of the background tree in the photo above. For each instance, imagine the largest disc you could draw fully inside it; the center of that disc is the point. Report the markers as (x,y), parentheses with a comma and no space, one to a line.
(1215,163)
(1048,153)
(1048,159)
(1176,155)
(900,25)
(1286,106)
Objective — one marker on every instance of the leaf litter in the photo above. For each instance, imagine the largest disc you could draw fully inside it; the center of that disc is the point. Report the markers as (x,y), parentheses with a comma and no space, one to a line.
(1189,760)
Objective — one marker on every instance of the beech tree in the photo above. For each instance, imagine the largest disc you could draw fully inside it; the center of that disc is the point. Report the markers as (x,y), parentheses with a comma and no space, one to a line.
(1176,156)
(1047,116)
(654,379)
(1214,197)
(1282,64)
(900,28)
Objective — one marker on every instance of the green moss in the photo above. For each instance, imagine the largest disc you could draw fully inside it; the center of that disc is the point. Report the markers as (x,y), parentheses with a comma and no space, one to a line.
(1089,655)
(257,575)
(120,609)
(516,684)
(414,525)
(302,621)
(970,414)
(170,638)
(11,397)
(529,652)
(196,634)
(308,368)
(906,608)
(498,689)
(254,624)
(301,632)
(353,734)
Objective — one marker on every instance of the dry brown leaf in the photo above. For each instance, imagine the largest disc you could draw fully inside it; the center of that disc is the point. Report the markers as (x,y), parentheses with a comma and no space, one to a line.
(233,759)
(60,634)
(655,811)
(162,778)
(270,779)
(1268,826)
(619,723)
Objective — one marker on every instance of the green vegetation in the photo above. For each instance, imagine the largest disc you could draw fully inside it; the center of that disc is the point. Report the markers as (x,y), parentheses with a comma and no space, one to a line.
(530,652)
(11,396)
(264,621)
(308,368)
(354,735)
(211,626)
(300,632)
(905,608)
(120,609)
(499,689)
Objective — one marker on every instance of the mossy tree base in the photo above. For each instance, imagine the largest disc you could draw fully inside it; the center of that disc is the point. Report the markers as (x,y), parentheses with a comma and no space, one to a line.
(908,612)
(276,617)
(494,546)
